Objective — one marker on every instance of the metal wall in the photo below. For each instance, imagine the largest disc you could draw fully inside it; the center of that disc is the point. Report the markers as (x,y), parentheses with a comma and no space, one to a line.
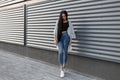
(7,2)
(12,25)
(96,23)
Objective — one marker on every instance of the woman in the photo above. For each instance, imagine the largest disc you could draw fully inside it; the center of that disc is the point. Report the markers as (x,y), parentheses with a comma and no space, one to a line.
(63,34)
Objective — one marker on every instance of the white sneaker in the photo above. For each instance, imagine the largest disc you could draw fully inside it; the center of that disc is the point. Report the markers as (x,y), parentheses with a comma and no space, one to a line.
(62,74)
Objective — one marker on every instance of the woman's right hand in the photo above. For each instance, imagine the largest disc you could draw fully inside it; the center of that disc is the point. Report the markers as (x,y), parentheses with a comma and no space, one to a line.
(55,42)
(70,42)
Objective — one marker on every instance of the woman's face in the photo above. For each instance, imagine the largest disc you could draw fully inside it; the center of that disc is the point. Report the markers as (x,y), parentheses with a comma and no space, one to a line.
(64,16)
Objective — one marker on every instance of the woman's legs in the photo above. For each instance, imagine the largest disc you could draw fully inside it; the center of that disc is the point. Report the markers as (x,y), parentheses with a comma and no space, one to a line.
(60,56)
(63,50)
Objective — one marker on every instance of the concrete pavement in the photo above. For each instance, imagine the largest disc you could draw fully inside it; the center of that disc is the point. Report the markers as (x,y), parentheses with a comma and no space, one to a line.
(16,67)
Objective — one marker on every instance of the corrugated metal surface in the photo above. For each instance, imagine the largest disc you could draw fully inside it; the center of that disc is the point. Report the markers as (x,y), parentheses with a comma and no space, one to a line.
(12,25)
(96,23)
(7,2)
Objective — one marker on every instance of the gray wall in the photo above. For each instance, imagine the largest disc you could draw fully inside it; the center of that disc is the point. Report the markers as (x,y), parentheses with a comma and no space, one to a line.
(12,25)
(96,24)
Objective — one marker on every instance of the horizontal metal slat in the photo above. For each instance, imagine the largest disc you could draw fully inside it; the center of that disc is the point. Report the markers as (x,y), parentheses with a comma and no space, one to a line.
(97,39)
(97,51)
(98,56)
(41,44)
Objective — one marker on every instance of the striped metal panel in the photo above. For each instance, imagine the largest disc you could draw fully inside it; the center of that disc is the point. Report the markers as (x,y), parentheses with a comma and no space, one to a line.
(96,23)
(12,25)
(7,2)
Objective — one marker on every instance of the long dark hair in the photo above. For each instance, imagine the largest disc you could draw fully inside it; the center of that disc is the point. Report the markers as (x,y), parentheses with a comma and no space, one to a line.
(60,23)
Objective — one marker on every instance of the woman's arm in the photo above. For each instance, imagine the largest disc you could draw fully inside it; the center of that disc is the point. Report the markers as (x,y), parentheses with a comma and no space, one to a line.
(55,40)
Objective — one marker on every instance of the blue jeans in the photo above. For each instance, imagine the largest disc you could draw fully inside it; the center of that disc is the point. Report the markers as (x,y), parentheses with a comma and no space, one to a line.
(63,48)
